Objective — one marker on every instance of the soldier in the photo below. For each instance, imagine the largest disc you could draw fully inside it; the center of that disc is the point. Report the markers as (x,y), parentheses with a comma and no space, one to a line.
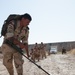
(63,50)
(48,51)
(36,52)
(32,54)
(21,34)
(42,50)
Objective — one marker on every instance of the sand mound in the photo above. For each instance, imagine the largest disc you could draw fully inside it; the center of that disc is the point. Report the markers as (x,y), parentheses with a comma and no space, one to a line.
(72,51)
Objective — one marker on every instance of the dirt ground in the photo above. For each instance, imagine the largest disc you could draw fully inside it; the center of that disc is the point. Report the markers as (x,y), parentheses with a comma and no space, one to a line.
(55,64)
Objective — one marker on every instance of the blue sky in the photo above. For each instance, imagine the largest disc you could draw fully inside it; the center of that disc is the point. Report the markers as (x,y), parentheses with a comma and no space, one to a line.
(53,20)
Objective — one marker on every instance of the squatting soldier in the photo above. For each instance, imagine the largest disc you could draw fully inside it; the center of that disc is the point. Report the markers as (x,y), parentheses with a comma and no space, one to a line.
(21,34)
(32,54)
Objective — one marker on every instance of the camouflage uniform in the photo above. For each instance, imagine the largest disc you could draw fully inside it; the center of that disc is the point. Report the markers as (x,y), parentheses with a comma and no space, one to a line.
(9,53)
(35,53)
(42,51)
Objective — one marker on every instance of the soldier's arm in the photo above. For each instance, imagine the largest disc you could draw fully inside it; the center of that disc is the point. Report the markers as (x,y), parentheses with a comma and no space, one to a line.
(10,30)
(25,41)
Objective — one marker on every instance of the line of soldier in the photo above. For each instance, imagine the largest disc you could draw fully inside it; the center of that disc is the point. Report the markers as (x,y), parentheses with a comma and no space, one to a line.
(38,52)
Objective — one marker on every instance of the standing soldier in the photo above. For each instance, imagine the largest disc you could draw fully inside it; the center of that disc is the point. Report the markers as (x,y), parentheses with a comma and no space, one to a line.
(63,50)
(42,50)
(20,33)
(36,52)
(48,51)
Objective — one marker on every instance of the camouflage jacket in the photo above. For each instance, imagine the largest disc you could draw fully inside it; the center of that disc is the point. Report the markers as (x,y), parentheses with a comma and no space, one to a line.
(20,33)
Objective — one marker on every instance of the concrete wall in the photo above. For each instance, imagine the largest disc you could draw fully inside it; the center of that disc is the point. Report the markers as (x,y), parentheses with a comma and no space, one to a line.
(67,45)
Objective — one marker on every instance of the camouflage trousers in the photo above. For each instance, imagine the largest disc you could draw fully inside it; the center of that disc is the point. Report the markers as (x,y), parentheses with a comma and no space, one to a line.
(9,56)
(42,53)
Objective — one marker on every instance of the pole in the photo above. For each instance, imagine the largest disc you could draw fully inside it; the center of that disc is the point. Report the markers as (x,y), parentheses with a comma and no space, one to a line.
(10,43)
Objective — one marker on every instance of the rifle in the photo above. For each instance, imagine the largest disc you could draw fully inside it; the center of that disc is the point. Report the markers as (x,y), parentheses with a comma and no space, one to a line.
(21,45)
(10,43)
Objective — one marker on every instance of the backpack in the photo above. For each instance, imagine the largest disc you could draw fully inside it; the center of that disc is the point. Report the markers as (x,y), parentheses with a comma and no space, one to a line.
(11,17)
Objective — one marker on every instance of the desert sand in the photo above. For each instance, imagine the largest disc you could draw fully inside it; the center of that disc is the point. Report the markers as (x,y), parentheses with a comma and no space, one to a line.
(54,64)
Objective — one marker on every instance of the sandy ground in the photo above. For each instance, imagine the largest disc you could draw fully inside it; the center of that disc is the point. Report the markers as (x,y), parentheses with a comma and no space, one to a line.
(55,64)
